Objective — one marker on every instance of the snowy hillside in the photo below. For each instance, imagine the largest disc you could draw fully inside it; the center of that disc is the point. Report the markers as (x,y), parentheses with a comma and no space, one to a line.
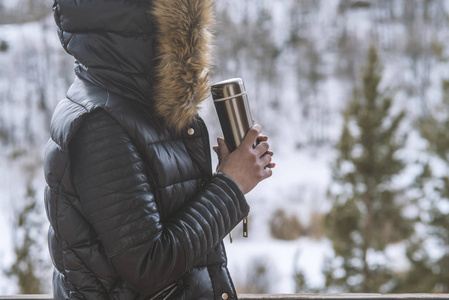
(34,76)
(300,61)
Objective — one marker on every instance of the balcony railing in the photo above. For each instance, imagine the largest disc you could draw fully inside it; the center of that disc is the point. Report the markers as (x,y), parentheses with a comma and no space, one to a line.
(290,297)
(345,296)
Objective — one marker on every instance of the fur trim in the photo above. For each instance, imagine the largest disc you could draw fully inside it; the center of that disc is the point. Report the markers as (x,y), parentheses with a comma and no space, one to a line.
(183,58)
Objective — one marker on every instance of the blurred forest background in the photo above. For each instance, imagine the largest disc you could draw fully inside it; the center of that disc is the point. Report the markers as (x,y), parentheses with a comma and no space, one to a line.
(354,96)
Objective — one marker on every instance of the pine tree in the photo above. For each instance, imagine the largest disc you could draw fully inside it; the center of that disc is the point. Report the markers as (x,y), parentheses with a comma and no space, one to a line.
(433,128)
(367,212)
(27,266)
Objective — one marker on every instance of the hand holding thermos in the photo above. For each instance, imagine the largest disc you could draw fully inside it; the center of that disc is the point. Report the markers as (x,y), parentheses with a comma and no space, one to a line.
(247,165)
(244,154)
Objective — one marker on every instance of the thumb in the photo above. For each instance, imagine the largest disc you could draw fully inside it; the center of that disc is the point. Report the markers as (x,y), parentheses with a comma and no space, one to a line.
(215,148)
(252,135)
(223,150)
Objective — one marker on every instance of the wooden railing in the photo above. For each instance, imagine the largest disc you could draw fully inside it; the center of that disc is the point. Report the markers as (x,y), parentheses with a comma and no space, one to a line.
(27,297)
(290,297)
(345,296)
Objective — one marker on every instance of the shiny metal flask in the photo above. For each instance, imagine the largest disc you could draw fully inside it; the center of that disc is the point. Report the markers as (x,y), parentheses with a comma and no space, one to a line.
(234,114)
(232,106)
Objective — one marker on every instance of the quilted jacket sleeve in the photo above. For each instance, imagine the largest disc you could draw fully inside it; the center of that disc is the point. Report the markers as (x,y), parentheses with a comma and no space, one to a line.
(117,198)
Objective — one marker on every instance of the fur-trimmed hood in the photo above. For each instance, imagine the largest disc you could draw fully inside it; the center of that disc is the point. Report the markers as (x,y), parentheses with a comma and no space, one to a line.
(157,52)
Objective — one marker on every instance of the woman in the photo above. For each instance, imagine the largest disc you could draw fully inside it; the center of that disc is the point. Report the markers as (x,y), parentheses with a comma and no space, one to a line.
(135,211)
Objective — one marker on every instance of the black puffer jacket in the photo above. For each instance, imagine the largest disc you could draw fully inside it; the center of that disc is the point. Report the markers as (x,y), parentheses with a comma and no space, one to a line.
(135,212)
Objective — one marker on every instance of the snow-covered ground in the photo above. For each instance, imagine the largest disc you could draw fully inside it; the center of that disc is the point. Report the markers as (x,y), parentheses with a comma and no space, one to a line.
(282,258)
(302,176)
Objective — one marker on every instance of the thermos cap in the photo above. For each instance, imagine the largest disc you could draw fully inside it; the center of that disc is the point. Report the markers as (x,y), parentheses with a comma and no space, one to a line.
(226,89)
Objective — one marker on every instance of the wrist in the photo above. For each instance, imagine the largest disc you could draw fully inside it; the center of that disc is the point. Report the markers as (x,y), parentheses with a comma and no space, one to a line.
(229,179)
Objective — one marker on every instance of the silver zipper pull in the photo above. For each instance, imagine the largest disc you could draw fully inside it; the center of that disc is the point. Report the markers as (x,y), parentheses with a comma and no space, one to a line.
(245,226)
(230,237)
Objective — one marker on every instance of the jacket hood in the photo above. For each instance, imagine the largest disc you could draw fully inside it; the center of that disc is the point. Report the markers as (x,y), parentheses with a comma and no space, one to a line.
(157,52)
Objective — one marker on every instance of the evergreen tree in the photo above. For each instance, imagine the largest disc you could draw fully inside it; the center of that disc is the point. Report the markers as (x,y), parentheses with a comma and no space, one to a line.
(433,128)
(419,277)
(367,212)
(27,266)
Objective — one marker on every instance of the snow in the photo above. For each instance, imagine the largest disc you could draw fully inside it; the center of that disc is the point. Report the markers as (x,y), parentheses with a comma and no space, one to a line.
(22,74)
(298,186)
(284,258)
(302,175)
(7,180)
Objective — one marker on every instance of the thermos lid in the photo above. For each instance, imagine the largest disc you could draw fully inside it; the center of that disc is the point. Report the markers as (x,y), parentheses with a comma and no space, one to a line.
(226,89)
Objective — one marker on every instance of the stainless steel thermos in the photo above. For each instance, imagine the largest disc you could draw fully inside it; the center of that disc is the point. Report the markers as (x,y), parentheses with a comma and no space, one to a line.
(232,106)
(231,103)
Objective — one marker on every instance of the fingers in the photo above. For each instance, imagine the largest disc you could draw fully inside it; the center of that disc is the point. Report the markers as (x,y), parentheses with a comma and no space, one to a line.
(268,165)
(268,157)
(252,135)
(267,172)
(262,148)
(261,138)
(265,160)
(263,151)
